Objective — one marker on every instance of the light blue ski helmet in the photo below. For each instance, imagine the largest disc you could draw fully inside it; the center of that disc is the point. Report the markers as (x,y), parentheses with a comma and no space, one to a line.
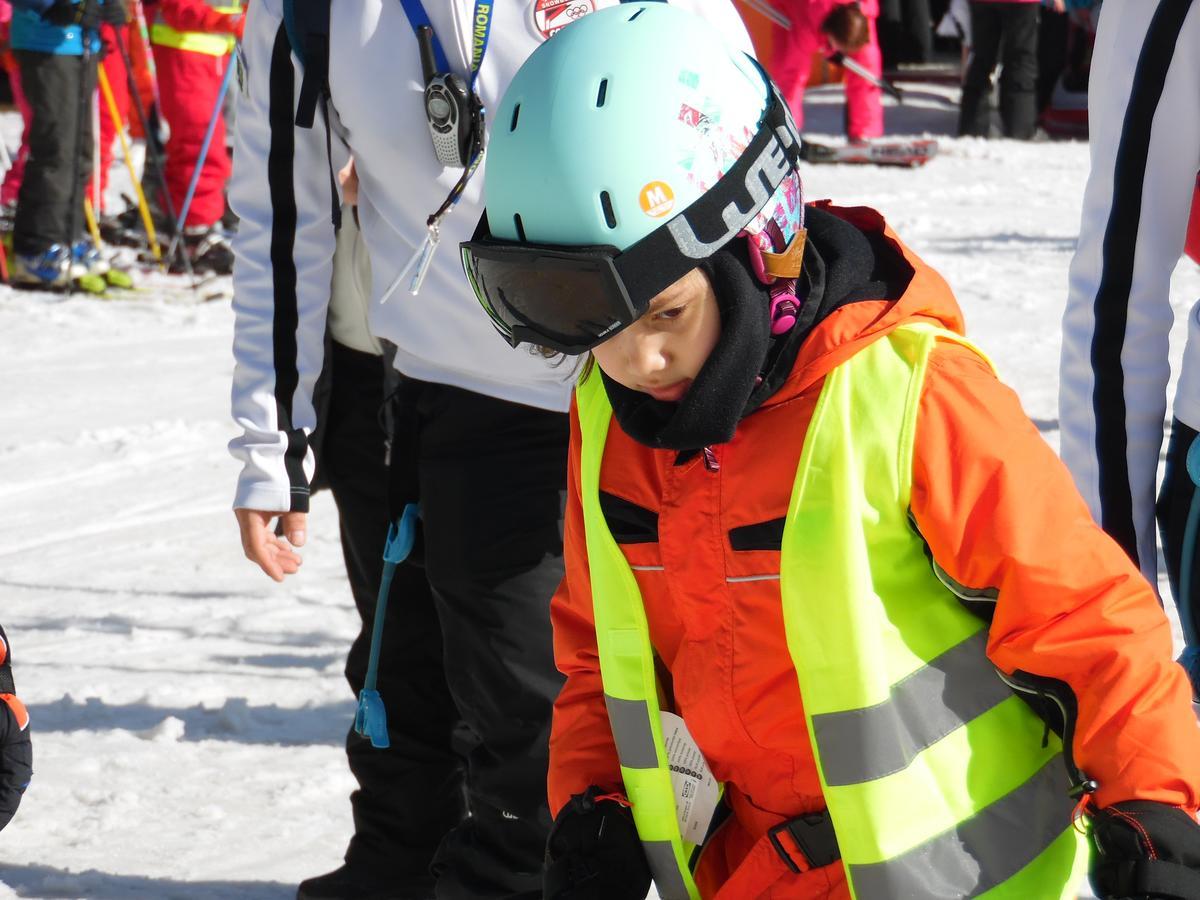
(620,121)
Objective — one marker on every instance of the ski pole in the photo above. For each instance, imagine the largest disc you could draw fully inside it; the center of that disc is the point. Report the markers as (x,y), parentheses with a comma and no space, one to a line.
(151,144)
(81,113)
(763,8)
(89,214)
(155,118)
(867,75)
(95,179)
(143,207)
(199,166)
(370,718)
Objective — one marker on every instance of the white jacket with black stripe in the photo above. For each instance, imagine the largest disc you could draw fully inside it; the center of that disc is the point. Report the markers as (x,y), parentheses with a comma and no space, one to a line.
(285,242)
(1144,119)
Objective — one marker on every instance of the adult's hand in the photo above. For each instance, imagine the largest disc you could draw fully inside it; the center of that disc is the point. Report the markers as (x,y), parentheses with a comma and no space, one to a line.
(272,554)
(348,179)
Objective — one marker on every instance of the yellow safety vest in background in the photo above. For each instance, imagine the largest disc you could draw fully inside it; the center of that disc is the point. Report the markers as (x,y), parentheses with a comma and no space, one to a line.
(933,770)
(195,41)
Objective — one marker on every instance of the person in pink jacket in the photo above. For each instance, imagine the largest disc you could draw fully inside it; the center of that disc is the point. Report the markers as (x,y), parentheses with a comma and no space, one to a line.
(846,26)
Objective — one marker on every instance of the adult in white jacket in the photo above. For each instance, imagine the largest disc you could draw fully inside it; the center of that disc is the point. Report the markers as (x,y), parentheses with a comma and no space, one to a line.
(480,440)
(1144,120)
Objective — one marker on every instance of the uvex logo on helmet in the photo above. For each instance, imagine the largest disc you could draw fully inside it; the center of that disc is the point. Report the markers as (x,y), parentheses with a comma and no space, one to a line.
(762,177)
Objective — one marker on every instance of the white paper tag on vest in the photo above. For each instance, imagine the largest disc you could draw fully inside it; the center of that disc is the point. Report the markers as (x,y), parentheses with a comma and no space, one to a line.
(696,791)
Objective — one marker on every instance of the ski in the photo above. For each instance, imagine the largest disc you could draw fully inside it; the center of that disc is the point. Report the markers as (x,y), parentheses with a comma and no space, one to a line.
(875,153)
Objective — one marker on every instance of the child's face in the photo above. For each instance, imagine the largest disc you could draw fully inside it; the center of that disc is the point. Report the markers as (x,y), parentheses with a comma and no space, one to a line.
(662,352)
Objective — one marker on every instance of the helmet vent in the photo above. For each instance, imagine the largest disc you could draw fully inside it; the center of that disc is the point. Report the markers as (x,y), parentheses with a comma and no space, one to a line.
(602,93)
(520,228)
(516,114)
(636,14)
(610,217)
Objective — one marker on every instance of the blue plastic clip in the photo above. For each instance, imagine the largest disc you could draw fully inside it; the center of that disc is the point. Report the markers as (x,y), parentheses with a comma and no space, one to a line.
(370,719)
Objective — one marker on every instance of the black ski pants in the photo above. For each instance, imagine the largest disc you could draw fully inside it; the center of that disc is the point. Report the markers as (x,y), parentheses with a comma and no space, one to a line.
(50,203)
(466,671)
(1174,500)
(1005,33)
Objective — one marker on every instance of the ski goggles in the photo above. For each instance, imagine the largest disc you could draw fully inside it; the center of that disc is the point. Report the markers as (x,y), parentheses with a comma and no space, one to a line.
(570,299)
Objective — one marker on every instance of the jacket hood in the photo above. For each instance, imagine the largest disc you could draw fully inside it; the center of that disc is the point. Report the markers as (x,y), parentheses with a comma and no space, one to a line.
(865,293)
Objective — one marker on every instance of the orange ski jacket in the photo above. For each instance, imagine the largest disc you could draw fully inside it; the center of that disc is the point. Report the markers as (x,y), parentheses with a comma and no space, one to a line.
(1001,518)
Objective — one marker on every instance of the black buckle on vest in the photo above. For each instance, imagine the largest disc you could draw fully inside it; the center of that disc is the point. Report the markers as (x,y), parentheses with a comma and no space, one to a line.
(814,835)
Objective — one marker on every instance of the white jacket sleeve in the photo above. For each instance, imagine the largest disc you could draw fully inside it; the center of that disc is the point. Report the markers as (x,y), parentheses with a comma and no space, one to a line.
(1145,150)
(284,247)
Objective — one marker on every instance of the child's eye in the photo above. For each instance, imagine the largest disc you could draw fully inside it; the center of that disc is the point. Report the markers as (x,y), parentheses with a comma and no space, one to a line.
(673,313)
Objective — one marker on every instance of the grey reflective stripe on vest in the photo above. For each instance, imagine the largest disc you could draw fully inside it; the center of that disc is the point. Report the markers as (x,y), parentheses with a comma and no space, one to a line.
(630,723)
(860,745)
(665,869)
(982,852)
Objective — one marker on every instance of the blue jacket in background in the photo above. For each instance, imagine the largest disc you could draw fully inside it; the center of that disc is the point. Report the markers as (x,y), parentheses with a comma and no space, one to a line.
(31,32)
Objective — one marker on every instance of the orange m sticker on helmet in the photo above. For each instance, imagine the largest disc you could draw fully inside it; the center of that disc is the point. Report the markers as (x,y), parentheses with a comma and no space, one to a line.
(657,199)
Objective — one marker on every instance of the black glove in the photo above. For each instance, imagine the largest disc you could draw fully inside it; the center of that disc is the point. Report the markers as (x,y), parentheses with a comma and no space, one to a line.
(594,853)
(1144,850)
(16,751)
(113,12)
(66,13)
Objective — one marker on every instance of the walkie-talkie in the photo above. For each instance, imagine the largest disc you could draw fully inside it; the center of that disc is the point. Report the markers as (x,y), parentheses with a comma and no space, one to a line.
(451,109)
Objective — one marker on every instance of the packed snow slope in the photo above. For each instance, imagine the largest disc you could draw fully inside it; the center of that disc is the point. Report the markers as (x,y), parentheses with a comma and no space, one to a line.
(188,713)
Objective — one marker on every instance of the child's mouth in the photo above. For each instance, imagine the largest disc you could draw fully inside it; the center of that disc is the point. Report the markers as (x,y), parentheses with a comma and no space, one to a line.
(672,393)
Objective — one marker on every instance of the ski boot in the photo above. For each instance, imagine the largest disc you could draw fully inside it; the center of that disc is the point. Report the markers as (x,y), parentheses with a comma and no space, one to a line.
(209,250)
(49,270)
(92,269)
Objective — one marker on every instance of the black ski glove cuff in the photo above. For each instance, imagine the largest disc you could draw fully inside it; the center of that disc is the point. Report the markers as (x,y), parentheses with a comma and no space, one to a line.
(594,853)
(1144,850)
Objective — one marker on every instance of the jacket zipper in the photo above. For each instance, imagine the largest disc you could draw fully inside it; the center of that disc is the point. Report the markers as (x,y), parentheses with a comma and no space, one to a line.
(1025,683)
(710,460)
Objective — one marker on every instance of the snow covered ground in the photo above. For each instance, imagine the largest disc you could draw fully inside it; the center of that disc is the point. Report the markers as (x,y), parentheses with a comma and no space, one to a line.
(188,714)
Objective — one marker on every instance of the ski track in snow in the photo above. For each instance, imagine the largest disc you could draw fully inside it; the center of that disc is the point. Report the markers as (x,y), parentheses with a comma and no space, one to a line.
(188,714)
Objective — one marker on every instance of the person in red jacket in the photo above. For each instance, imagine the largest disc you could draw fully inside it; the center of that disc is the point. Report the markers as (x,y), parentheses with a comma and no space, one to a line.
(815,550)
(833,26)
(1006,32)
(192,40)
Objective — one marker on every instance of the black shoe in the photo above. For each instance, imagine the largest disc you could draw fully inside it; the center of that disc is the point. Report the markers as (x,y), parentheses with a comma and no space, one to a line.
(344,883)
(208,249)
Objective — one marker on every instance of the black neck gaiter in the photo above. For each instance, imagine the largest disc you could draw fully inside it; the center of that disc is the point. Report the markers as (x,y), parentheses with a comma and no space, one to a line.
(841,265)
(715,403)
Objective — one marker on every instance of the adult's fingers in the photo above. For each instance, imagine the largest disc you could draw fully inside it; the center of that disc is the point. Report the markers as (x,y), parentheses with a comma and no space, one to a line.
(274,556)
(293,527)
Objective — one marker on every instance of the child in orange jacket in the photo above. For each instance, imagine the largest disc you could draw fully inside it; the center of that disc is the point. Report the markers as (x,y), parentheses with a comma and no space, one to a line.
(16,753)
(815,551)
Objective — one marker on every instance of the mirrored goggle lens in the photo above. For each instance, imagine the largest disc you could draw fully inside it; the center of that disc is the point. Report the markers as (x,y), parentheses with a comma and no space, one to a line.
(562,304)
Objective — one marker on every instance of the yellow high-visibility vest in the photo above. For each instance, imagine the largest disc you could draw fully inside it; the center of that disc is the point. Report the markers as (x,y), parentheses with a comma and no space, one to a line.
(934,772)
